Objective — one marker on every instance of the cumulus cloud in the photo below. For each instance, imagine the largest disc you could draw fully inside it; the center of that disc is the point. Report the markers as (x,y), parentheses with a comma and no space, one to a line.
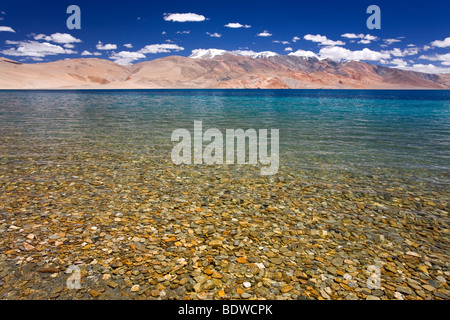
(128,45)
(303,53)
(57,38)
(426,68)
(288,49)
(399,63)
(6,29)
(184,17)
(265,33)
(160,48)
(323,40)
(295,39)
(184,32)
(396,52)
(108,46)
(443,58)
(352,35)
(365,39)
(69,46)
(339,53)
(236,25)
(87,53)
(441,43)
(126,57)
(214,35)
(36,49)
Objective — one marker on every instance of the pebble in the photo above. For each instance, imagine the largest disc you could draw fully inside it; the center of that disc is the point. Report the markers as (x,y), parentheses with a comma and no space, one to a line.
(135,288)
(173,232)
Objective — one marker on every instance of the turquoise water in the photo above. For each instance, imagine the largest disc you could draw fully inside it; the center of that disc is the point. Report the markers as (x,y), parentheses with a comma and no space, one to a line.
(403,135)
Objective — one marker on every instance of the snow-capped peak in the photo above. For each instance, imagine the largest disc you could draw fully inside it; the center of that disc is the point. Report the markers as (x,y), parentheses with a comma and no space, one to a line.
(206,53)
(211,53)
(303,54)
(253,54)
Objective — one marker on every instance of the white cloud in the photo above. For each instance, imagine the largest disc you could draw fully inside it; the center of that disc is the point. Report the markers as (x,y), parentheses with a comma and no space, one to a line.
(6,29)
(399,63)
(211,53)
(288,49)
(163,32)
(128,45)
(184,17)
(352,35)
(365,39)
(253,54)
(184,32)
(57,38)
(396,52)
(36,49)
(69,46)
(236,25)
(339,53)
(108,46)
(282,42)
(265,33)
(87,53)
(295,39)
(126,57)
(411,51)
(441,43)
(322,40)
(444,58)
(214,35)
(391,41)
(303,53)
(159,48)
(426,68)
(206,53)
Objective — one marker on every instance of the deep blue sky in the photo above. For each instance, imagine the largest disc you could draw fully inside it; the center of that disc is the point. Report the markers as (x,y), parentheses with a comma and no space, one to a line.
(141,23)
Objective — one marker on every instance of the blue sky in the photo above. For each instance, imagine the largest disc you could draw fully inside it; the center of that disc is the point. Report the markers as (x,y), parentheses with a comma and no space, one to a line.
(414,35)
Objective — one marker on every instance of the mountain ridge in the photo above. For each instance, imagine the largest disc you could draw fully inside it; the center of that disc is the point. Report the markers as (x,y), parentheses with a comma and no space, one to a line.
(221,69)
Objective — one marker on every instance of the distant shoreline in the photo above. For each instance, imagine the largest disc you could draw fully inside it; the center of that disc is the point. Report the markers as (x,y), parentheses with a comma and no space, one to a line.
(225,72)
(220,89)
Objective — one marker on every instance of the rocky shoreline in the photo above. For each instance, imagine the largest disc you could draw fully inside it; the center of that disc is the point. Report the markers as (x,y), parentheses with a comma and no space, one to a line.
(140,228)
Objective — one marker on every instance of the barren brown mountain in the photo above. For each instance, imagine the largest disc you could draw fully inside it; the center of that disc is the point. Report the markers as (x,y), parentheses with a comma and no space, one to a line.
(221,71)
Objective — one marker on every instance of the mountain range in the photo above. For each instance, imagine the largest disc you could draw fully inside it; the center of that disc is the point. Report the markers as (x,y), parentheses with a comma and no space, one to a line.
(214,68)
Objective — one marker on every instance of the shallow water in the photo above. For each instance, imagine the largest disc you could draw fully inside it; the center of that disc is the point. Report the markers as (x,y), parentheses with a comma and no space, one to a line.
(86,178)
(403,135)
